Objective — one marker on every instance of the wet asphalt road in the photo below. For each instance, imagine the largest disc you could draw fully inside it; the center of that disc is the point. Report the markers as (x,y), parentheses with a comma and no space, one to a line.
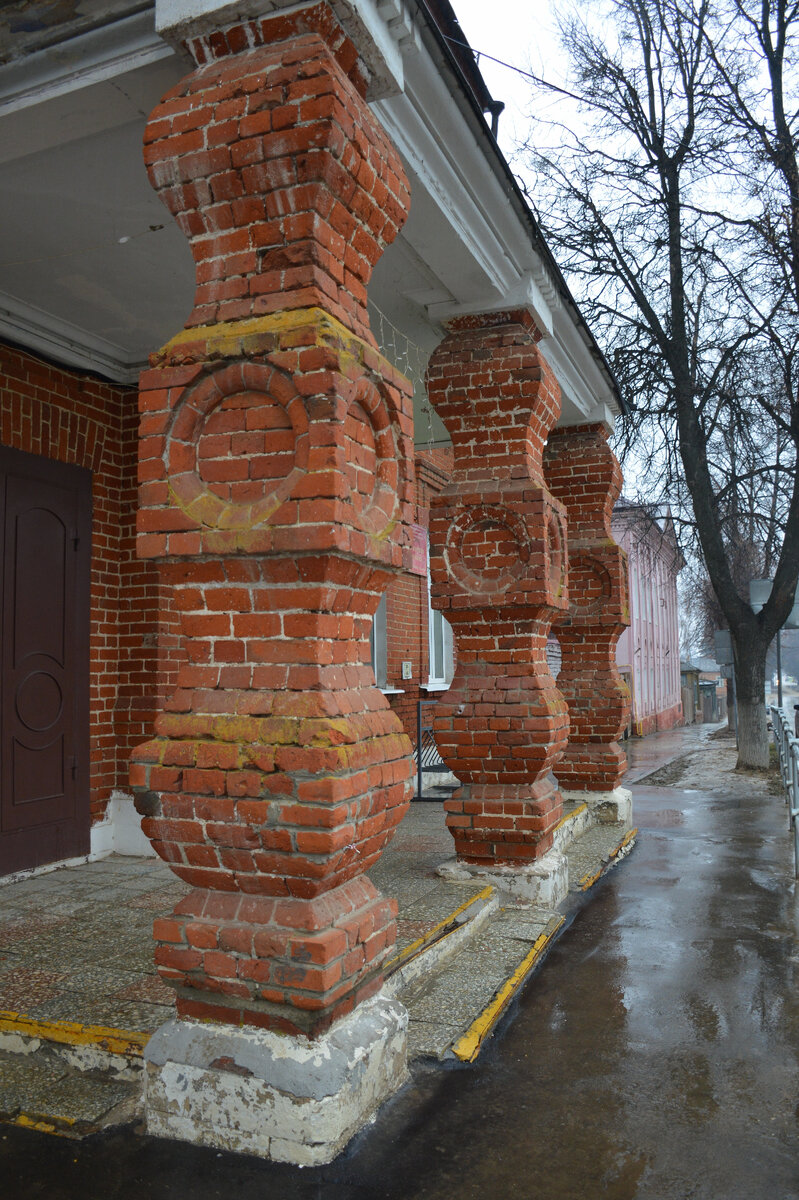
(654,1057)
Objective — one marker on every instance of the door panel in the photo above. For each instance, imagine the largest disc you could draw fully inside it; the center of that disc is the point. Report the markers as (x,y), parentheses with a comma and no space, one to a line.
(45,527)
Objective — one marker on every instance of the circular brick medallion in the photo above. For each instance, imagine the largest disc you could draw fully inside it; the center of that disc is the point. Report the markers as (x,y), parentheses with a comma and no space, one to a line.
(487,548)
(590,585)
(237,446)
(370,458)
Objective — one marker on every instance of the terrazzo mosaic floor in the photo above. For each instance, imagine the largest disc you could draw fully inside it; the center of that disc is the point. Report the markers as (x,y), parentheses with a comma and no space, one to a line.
(76,943)
(76,946)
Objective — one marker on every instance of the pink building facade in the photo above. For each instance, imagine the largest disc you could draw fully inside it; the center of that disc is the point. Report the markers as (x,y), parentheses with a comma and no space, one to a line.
(648,651)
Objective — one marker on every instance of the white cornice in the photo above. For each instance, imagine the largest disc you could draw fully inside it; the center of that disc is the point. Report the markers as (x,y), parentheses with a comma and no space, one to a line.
(32,327)
(383,31)
(79,62)
(491,262)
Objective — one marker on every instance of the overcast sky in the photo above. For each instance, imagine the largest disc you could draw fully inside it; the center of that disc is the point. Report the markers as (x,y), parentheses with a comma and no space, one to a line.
(522,33)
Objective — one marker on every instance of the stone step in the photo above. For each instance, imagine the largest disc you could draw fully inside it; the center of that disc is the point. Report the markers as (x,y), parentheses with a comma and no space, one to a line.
(432,950)
(86,1047)
(599,849)
(465,950)
(576,820)
(68,1079)
(458,983)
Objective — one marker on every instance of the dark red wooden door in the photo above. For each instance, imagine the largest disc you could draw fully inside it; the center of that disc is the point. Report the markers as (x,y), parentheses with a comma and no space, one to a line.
(45,554)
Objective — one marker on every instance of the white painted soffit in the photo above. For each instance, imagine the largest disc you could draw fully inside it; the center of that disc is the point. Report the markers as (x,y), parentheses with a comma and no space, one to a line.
(89,58)
(465,225)
(26,325)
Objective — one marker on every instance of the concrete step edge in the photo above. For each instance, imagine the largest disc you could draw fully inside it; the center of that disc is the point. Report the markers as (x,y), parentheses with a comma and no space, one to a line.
(614,856)
(429,953)
(571,826)
(86,1047)
(467,1047)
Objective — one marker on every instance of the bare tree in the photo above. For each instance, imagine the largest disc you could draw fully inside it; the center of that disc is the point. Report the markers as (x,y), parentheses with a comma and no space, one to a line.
(672,202)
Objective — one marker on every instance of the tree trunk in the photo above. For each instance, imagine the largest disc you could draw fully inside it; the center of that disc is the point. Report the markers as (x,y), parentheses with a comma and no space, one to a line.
(750,684)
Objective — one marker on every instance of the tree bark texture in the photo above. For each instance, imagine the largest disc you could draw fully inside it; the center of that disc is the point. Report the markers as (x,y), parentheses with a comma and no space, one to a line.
(750,682)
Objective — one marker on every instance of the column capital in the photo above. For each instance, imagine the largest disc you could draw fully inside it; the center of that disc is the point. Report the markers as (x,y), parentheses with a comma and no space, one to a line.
(378,32)
(519,315)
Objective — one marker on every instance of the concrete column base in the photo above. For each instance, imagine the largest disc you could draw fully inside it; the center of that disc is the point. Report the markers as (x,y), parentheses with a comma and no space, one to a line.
(544,882)
(281,1097)
(608,807)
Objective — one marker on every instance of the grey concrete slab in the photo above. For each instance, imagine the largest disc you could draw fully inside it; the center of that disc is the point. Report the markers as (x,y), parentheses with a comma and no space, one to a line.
(430,1039)
(43,1087)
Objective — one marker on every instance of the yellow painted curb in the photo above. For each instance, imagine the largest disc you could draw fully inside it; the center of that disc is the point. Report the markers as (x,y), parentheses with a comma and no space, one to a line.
(581,808)
(434,934)
(469,1045)
(72,1033)
(625,841)
(42,1126)
(33,1123)
(588,881)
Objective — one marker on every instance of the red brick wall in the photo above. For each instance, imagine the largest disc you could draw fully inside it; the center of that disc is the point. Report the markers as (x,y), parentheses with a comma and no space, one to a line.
(669,718)
(79,419)
(406,603)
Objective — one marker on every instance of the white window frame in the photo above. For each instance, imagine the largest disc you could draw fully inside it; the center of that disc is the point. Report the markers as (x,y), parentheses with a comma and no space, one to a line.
(438,630)
(378,644)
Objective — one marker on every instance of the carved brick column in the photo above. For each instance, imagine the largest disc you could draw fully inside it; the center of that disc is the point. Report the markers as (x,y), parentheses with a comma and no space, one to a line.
(276,464)
(583,473)
(498,568)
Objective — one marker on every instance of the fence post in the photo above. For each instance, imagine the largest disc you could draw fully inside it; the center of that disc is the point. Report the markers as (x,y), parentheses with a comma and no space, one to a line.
(419,763)
(793,804)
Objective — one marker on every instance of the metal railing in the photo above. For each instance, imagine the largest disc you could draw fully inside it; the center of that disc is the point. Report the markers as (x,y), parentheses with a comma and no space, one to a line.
(788,750)
(426,751)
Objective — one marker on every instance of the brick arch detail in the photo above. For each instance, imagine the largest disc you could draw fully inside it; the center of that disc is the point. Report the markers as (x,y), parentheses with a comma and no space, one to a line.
(42,427)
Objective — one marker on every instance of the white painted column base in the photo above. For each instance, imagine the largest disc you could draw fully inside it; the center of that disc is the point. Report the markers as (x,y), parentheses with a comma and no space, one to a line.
(282,1097)
(545,881)
(120,830)
(609,808)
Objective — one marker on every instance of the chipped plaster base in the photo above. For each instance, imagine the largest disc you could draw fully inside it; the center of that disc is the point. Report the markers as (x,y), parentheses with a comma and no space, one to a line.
(544,882)
(610,808)
(120,830)
(281,1097)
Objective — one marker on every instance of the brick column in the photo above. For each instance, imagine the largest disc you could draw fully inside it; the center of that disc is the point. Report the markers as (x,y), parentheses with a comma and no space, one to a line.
(583,473)
(498,568)
(276,471)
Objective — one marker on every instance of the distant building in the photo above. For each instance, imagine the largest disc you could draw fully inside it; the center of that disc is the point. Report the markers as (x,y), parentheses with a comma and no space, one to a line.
(648,651)
(712,690)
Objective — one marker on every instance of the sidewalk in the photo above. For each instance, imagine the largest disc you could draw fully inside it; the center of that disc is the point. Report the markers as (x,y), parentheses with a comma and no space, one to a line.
(79,995)
(655,1058)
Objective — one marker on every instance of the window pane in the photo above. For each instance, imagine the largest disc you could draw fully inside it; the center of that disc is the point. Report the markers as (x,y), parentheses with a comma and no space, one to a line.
(437,670)
(377,640)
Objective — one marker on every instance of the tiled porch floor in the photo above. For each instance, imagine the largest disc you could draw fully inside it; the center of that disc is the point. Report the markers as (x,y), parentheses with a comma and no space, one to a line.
(76,943)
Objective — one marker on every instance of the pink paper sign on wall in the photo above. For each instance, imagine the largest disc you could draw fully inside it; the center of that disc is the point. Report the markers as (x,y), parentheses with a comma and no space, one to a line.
(419,549)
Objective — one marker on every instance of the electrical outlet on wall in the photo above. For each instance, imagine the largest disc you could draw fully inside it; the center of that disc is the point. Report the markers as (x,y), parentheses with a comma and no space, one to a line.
(407,670)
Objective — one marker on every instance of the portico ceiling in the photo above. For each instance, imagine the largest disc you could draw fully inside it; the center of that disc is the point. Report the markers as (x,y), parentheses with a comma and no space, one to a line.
(94,273)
